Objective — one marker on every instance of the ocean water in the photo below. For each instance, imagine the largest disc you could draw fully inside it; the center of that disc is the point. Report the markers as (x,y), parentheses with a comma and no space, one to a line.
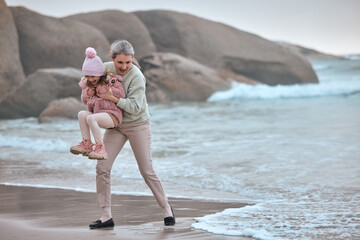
(291,152)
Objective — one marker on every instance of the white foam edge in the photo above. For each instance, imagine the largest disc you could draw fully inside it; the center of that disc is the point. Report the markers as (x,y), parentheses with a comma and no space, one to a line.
(202,224)
(242,201)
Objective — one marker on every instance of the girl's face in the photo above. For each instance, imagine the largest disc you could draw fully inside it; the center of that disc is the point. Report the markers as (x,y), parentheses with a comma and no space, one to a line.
(122,63)
(93,79)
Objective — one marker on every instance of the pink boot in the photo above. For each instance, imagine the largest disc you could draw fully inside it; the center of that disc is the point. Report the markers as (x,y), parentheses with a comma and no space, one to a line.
(84,148)
(99,153)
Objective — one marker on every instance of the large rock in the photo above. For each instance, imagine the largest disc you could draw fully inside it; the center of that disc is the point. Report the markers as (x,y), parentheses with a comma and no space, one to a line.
(61,108)
(31,97)
(67,80)
(118,25)
(47,42)
(171,77)
(309,53)
(223,47)
(38,90)
(11,71)
(268,72)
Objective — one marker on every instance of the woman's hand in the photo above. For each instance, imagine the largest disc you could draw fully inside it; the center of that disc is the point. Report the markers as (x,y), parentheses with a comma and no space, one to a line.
(109,96)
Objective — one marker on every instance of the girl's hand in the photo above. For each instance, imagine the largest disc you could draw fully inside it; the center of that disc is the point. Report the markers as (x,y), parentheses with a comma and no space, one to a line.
(91,92)
(109,96)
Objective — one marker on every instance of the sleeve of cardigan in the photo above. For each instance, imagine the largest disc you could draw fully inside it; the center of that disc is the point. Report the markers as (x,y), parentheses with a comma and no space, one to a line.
(135,96)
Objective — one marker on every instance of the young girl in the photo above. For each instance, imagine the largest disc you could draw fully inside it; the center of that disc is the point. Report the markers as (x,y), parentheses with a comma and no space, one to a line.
(101,113)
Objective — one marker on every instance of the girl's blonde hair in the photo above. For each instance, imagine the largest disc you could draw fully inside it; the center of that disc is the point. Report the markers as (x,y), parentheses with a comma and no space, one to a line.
(103,80)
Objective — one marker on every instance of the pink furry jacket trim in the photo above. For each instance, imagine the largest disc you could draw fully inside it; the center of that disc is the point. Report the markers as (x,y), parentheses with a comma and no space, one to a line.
(98,105)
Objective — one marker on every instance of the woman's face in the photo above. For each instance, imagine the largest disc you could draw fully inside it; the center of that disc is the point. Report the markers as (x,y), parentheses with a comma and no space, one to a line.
(93,79)
(122,63)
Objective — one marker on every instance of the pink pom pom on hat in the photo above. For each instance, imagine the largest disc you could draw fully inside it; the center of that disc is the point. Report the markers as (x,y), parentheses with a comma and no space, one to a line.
(90,52)
(92,66)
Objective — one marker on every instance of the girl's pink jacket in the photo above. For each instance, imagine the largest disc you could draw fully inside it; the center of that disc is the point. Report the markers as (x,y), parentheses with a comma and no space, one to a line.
(98,105)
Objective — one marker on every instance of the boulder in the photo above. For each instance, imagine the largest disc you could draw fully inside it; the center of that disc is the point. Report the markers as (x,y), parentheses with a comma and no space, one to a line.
(268,72)
(47,42)
(309,53)
(61,108)
(223,47)
(11,71)
(171,77)
(67,80)
(118,25)
(38,90)
(31,97)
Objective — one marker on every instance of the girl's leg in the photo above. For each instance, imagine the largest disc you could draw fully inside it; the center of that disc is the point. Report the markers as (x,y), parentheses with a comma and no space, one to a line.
(114,142)
(84,127)
(97,121)
(140,141)
(85,146)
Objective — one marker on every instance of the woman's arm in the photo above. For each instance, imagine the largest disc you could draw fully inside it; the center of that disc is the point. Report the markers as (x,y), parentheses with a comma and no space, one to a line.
(134,99)
(109,96)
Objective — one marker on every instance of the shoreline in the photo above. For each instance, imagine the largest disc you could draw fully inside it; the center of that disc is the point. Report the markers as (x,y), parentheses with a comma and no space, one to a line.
(46,213)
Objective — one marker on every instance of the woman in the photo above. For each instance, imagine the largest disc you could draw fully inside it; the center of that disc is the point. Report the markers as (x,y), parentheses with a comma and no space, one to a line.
(135,127)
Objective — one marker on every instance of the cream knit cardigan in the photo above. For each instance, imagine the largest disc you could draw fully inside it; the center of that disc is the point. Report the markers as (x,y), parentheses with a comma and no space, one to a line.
(134,106)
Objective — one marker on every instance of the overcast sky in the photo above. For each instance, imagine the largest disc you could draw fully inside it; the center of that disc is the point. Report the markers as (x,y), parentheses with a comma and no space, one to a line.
(330,26)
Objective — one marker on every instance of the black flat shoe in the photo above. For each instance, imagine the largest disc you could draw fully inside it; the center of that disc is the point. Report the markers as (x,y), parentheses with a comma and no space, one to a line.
(170,221)
(98,224)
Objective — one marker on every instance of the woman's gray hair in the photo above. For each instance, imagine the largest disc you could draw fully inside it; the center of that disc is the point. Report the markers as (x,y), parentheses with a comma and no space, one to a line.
(121,47)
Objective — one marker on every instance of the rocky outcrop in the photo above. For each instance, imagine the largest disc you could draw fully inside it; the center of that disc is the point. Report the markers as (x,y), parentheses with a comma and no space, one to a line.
(67,81)
(171,77)
(38,90)
(309,53)
(47,42)
(194,57)
(268,72)
(223,47)
(31,97)
(118,25)
(11,71)
(61,108)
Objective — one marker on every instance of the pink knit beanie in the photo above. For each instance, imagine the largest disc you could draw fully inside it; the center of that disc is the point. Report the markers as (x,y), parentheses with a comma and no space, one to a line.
(92,66)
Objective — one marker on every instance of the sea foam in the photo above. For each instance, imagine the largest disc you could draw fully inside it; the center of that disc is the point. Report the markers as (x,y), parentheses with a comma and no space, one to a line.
(261,91)
(336,78)
(227,223)
(285,220)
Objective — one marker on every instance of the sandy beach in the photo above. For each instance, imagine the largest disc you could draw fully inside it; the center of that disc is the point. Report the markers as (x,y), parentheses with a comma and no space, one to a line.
(44,213)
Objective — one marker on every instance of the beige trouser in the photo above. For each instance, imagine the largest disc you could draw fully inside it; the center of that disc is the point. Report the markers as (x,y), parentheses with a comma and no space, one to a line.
(94,121)
(139,136)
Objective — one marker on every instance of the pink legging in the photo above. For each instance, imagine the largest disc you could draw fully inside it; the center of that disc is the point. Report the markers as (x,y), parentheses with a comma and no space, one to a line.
(94,121)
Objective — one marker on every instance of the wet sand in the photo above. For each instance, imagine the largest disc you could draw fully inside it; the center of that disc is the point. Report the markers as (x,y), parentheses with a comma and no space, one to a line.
(41,213)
